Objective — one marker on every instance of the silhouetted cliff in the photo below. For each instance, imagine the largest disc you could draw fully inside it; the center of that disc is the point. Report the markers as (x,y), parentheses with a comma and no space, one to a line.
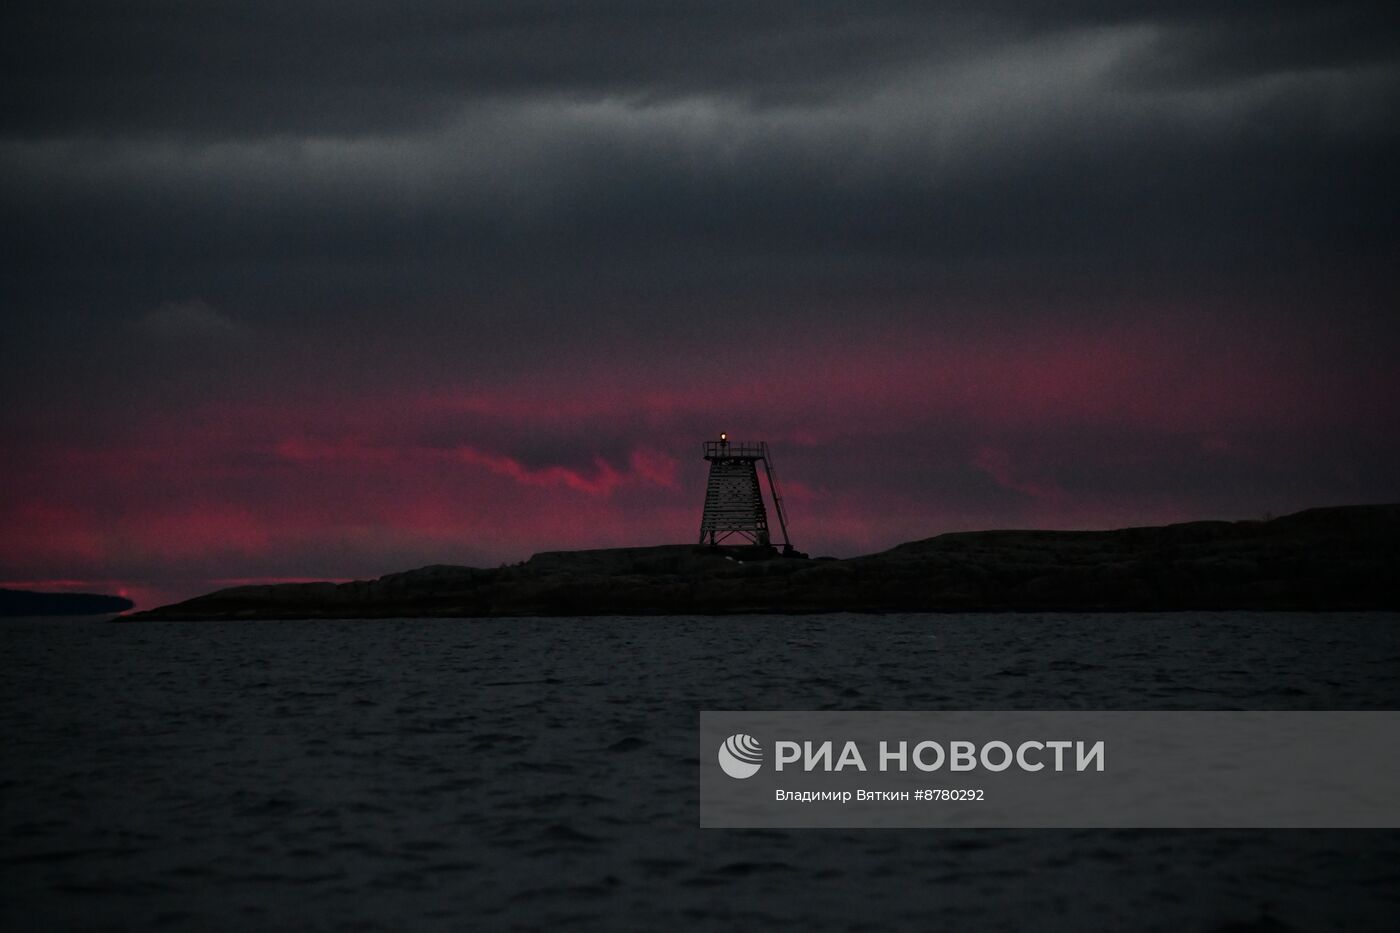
(1332,558)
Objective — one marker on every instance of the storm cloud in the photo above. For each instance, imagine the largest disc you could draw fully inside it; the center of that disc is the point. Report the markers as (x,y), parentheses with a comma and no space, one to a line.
(320,289)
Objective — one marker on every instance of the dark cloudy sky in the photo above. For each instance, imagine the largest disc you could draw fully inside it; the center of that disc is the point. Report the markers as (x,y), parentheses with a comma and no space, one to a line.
(332,289)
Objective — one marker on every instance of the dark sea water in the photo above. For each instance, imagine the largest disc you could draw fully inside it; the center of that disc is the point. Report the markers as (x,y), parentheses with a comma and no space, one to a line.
(542,774)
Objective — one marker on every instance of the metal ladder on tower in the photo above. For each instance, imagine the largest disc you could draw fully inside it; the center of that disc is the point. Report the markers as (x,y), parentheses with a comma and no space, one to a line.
(777,496)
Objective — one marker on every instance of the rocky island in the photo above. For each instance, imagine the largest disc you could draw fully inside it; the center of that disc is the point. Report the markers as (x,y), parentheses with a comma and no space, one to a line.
(30,603)
(1330,558)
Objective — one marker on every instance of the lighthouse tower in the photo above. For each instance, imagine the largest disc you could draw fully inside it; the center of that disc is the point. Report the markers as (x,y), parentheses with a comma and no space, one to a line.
(733,499)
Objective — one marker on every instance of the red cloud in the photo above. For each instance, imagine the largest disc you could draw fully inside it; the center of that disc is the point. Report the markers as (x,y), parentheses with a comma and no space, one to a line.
(880,437)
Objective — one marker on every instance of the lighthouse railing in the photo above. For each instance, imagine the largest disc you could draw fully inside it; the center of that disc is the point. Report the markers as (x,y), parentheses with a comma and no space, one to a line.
(721,449)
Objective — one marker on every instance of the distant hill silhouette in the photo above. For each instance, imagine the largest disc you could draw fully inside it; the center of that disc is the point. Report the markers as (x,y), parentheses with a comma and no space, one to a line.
(29,603)
(1330,558)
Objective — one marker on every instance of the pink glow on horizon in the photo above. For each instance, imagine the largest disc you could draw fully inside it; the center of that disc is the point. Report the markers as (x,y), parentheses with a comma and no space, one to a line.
(880,438)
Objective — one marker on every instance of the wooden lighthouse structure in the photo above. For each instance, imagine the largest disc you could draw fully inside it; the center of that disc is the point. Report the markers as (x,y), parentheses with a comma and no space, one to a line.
(734,506)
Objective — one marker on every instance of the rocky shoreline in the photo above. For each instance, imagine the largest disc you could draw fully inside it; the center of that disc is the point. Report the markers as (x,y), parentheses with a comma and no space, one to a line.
(31,603)
(1344,558)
